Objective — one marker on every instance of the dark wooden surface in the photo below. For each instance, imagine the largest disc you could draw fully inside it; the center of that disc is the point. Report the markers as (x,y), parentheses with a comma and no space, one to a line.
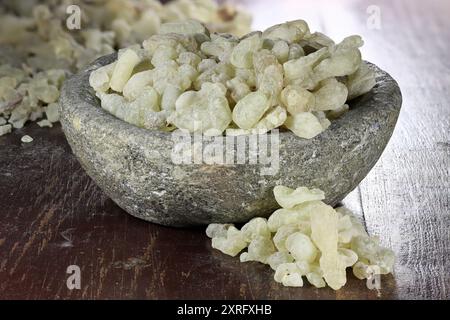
(52,215)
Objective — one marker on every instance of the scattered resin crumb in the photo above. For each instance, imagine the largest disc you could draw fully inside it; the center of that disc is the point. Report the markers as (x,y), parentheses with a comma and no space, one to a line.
(45,123)
(306,238)
(26,139)
(4,129)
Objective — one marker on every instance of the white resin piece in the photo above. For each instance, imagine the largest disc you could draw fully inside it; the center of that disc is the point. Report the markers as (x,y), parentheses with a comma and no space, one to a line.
(307,238)
(213,83)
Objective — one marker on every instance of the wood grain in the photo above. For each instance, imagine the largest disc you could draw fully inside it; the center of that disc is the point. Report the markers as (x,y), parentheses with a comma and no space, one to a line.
(52,215)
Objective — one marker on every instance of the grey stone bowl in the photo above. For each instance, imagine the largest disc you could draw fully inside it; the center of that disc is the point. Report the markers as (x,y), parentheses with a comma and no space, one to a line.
(134,166)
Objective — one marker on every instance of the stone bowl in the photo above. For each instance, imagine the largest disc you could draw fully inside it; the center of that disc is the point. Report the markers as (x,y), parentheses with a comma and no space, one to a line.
(134,166)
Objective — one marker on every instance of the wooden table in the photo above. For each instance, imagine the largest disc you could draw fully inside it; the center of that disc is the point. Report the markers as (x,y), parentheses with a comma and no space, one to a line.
(52,215)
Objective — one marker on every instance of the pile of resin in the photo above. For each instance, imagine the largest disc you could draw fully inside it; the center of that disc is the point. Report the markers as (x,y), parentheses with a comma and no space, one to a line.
(306,238)
(189,78)
(38,50)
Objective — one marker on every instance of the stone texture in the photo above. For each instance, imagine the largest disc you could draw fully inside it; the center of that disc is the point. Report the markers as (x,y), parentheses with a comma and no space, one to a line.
(134,167)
